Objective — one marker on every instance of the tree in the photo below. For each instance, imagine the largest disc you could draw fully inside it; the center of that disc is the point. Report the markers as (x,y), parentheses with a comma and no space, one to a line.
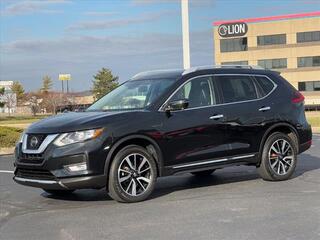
(104,82)
(53,100)
(34,102)
(2,103)
(17,88)
(46,84)
(7,100)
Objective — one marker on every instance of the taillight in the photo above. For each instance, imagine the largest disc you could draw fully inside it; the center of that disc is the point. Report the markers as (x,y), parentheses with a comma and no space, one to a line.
(297,97)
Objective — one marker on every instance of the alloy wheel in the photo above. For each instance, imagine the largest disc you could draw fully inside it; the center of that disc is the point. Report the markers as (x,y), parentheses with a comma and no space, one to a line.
(135,174)
(281,157)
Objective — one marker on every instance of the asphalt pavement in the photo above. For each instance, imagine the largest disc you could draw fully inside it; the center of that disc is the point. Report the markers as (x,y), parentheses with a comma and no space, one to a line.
(233,203)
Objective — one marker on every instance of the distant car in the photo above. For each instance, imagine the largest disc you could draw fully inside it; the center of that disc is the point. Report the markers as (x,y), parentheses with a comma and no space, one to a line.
(161,123)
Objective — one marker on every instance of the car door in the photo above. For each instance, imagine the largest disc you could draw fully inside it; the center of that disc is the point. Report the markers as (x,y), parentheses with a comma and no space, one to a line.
(188,133)
(243,122)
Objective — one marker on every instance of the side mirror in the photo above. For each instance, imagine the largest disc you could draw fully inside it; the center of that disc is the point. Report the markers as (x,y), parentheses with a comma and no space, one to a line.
(177,105)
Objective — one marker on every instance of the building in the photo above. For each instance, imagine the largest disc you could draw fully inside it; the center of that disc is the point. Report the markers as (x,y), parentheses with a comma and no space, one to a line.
(289,44)
(9,99)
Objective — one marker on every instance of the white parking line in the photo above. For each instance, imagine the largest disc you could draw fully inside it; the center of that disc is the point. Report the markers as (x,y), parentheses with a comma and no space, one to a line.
(6,171)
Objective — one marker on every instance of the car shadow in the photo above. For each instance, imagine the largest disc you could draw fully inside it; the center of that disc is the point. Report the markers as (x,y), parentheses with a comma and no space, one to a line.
(230,175)
(175,183)
(83,195)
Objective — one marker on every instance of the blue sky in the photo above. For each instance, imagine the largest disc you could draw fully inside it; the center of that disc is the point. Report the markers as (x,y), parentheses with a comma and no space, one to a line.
(48,37)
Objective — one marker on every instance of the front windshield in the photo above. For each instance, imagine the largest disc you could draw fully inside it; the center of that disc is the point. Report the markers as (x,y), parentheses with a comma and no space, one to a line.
(136,94)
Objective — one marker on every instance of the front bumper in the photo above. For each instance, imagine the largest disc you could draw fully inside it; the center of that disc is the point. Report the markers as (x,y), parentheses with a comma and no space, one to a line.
(48,170)
(64,184)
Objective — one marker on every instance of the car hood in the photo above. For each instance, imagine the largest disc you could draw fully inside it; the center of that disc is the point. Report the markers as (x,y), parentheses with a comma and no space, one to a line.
(73,121)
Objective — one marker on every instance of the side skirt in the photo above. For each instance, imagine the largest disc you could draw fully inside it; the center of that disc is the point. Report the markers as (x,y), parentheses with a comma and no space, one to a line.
(247,159)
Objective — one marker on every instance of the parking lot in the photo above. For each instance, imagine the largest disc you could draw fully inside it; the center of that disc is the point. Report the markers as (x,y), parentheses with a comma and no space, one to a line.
(233,203)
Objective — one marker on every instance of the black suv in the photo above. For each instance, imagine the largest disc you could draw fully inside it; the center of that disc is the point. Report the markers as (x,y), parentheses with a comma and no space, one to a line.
(161,123)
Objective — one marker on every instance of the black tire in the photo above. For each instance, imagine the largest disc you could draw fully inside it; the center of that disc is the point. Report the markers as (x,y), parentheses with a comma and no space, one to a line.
(58,192)
(276,166)
(203,173)
(123,191)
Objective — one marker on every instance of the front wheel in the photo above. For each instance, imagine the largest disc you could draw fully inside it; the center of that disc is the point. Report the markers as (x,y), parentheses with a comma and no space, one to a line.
(279,158)
(133,174)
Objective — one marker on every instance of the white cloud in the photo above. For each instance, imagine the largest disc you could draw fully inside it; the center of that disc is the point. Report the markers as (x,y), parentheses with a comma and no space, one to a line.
(204,3)
(99,13)
(32,6)
(115,23)
(84,56)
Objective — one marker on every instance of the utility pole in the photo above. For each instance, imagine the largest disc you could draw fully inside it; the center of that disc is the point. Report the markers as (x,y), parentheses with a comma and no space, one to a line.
(185,33)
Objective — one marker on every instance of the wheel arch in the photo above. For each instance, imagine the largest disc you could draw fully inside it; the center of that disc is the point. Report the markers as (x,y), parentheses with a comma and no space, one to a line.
(283,127)
(140,140)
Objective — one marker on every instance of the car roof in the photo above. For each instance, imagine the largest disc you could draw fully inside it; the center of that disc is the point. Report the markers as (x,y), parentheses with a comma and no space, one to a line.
(158,74)
(177,73)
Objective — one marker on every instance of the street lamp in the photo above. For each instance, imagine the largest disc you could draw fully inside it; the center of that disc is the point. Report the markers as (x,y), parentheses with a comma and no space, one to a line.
(185,33)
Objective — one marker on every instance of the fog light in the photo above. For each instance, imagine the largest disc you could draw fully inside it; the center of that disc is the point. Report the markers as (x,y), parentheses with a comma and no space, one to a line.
(76,167)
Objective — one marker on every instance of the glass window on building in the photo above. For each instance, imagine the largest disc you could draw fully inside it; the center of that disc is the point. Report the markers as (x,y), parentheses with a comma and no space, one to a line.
(271,39)
(235,63)
(309,61)
(309,86)
(308,36)
(233,45)
(273,63)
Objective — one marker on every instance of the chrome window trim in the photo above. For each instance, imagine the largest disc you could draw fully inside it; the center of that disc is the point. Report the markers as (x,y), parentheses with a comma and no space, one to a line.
(42,147)
(161,109)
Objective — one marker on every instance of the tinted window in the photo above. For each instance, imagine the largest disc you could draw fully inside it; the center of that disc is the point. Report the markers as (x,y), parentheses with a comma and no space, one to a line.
(308,36)
(265,84)
(237,88)
(135,94)
(233,45)
(197,92)
(309,61)
(273,63)
(271,39)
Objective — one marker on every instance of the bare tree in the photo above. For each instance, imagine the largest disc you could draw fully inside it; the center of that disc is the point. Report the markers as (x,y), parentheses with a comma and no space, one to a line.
(10,101)
(52,100)
(34,101)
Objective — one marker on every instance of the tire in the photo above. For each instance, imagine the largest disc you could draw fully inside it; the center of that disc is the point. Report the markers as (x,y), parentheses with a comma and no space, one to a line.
(277,162)
(58,192)
(203,173)
(132,182)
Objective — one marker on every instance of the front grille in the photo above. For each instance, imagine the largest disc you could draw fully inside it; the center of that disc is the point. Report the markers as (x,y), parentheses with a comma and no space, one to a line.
(34,174)
(34,141)
(31,158)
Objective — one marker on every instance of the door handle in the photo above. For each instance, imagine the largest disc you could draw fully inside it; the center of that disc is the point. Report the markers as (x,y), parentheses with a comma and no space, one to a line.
(216,117)
(263,109)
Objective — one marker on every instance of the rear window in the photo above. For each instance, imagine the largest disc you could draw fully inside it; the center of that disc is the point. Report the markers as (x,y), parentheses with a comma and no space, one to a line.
(265,85)
(236,88)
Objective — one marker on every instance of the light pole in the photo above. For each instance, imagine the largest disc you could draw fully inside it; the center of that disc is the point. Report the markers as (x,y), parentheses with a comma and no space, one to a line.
(185,33)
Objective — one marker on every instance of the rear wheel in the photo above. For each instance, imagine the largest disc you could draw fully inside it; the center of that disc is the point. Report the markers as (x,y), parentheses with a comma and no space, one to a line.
(203,173)
(279,158)
(133,174)
(58,192)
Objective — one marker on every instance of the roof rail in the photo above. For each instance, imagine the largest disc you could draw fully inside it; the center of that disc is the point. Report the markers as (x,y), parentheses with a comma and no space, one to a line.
(193,69)
(145,73)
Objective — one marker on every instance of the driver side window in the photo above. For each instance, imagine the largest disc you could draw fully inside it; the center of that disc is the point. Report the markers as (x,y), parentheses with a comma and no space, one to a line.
(197,92)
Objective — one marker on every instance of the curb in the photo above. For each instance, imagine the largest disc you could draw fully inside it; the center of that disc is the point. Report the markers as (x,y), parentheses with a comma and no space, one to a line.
(316,130)
(6,151)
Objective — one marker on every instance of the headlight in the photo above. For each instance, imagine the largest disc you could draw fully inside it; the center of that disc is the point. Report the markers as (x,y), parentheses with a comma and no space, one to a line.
(79,136)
